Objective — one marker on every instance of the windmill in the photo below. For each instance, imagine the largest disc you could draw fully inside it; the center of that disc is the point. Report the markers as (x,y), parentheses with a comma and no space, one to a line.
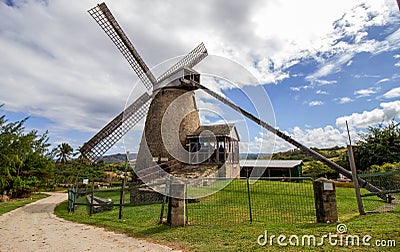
(123,122)
(177,83)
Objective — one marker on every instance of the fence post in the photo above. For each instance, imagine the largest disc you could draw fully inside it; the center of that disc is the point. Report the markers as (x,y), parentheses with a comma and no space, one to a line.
(91,200)
(186,204)
(325,200)
(249,199)
(75,190)
(354,174)
(355,180)
(176,206)
(164,200)
(122,196)
(70,200)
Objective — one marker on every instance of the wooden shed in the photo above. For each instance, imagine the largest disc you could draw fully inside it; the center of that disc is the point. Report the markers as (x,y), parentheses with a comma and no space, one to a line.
(271,168)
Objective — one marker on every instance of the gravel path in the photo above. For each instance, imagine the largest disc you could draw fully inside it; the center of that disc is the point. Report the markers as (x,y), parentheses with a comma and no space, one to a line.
(34,227)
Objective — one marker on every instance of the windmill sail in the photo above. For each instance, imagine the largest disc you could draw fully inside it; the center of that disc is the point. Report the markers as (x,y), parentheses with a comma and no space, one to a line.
(107,22)
(290,140)
(116,129)
(190,60)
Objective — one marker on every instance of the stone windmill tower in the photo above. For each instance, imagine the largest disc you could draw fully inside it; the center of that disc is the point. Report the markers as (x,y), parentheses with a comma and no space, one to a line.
(172,116)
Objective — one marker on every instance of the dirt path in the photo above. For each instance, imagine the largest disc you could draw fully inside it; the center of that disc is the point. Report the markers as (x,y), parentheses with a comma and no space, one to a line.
(34,227)
(387,207)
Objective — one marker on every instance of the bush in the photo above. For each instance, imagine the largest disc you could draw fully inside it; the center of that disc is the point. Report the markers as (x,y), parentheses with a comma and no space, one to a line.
(385,167)
(378,146)
(317,169)
(116,184)
(22,187)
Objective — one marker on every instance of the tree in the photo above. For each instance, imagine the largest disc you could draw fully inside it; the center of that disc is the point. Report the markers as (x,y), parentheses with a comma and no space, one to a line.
(25,162)
(379,145)
(63,152)
(317,169)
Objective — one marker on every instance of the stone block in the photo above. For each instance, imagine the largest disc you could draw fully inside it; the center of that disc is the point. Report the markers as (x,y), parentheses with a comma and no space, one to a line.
(325,200)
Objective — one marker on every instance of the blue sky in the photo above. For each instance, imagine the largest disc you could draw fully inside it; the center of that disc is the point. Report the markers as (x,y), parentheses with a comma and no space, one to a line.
(318,64)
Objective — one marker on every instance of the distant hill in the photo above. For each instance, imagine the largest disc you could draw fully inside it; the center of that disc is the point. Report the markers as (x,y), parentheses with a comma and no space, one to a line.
(311,167)
(295,154)
(120,158)
(117,158)
(255,155)
(331,153)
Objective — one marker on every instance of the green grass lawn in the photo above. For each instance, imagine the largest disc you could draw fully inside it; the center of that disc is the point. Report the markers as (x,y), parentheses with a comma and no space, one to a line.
(142,221)
(15,203)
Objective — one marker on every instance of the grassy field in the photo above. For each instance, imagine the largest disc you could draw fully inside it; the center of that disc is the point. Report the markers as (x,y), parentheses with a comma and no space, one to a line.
(142,222)
(15,203)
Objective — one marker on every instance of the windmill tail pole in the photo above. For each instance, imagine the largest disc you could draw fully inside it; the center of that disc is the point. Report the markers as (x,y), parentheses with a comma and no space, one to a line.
(363,183)
(314,154)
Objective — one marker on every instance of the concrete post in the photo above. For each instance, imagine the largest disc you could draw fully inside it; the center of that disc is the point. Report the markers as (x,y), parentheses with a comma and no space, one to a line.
(176,206)
(325,200)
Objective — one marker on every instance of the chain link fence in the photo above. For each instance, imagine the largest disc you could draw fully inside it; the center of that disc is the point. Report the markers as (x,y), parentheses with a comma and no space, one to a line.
(266,200)
(272,200)
(240,201)
(389,183)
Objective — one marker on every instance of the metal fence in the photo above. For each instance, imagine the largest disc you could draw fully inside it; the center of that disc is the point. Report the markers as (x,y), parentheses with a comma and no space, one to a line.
(241,201)
(134,195)
(266,200)
(389,183)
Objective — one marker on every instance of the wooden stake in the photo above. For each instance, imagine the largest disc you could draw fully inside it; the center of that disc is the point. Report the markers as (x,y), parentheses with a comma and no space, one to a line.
(354,174)
(122,197)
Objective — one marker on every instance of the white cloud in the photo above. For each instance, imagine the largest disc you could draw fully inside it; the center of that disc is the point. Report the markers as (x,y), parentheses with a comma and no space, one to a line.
(394,39)
(207,107)
(325,82)
(296,89)
(325,137)
(394,93)
(350,38)
(49,71)
(264,142)
(58,64)
(314,85)
(315,103)
(343,100)
(324,70)
(388,111)
(321,92)
(319,137)
(366,92)
(358,76)
(382,80)
(397,56)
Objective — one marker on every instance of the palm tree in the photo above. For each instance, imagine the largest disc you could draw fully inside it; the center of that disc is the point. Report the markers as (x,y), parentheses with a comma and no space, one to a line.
(63,152)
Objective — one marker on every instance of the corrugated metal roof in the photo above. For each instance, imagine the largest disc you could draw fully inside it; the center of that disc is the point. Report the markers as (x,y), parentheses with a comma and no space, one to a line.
(270,163)
(228,130)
